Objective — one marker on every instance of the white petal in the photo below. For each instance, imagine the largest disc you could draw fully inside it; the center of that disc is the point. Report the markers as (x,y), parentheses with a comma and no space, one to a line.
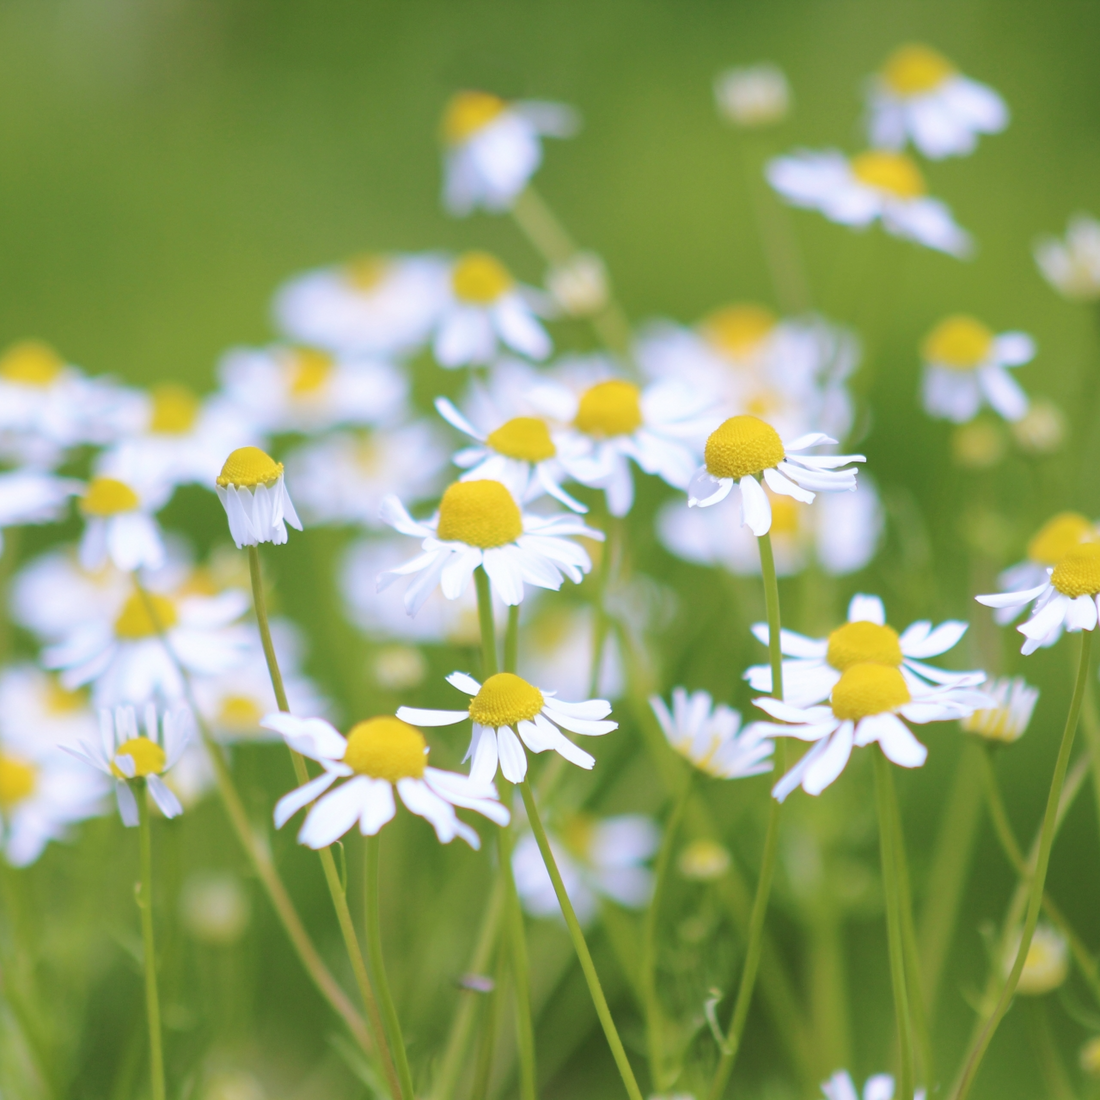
(866,609)
(826,767)
(127,804)
(416,716)
(169,804)
(785,487)
(335,813)
(300,797)
(895,738)
(464,682)
(513,760)
(312,737)
(1013,599)
(915,643)
(456,419)
(377,806)
(756,509)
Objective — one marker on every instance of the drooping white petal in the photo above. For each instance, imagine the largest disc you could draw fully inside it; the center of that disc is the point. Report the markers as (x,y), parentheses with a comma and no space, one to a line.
(464,682)
(127,804)
(164,798)
(302,796)
(417,716)
(756,509)
(312,737)
(513,760)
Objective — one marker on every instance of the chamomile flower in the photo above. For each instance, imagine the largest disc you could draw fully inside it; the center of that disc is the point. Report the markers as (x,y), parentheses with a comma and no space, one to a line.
(33,497)
(965,367)
(253,492)
(119,523)
(711,738)
(485,309)
(880,1087)
(874,186)
(1012,702)
(753,96)
(817,664)
(597,858)
(37,713)
(1047,964)
(1072,266)
(124,753)
(867,704)
(492,148)
(919,96)
(505,705)
(376,757)
(480,523)
(745,448)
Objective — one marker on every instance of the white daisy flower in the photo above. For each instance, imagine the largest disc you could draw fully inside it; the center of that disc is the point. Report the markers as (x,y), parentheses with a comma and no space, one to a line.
(745,448)
(377,756)
(253,493)
(597,858)
(754,95)
(1006,719)
(711,738)
(875,185)
(506,705)
(492,148)
(580,286)
(919,96)
(1072,266)
(33,497)
(37,713)
(817,664)
(485,309)
(965,366)
(1066,599)
(880,1087)
(1046,966)
(866,705)
(480,523)
(119,523)
(370,306)
(123,753)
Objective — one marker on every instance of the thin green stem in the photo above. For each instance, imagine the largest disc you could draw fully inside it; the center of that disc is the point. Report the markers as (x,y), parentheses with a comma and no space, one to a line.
(600,621)
(1038,881)
(485,619)
(511,640)
(490,1024)
(771,604)
(145,904)
(259,602)
(595,990)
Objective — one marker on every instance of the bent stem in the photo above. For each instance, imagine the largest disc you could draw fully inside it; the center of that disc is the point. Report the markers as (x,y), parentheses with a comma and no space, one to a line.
(1038,879)
(145,904)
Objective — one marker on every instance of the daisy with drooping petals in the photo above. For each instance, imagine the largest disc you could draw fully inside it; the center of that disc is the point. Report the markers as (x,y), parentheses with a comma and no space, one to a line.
(964,367)
(876,185)
(479,523)
(1006,719)
(745,448)
(880,1087)
(817,664)
(376,757)
(492,148)
(252,490)
(505,705)
(31,496)
(1072,266)
(920,96)
(711,738)
(125,754)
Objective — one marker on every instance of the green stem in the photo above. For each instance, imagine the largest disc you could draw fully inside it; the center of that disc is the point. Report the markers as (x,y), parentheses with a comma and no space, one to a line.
(259,602)
(145,904)
(485,619)
(771,603)
(1038,880)
(580,946)
(1090,724)
(511,640)
(600,623)
(490,1024)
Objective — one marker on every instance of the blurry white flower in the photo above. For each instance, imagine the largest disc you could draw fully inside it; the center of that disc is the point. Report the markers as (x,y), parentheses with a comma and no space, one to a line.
(1042,429)
(119,523)
(920,96)
(874,185)
(579,285)
(30,496)
(1072,267)
(253,492)
(703,860)
(880,1087)
(754,95)
(492,148)
(711,738)
(1013,702)
(1047,964)
(399,667)
(215,908)
(37,714)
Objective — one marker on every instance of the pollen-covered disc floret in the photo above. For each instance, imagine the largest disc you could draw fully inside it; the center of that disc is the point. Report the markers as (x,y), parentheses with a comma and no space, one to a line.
(1078,573)
(860,642)
(867,689)
(1058,536)
(253,493)
(107,496)
(1012,702)
(609,408)
(386,748)
(248,467)
(742,445)
(526,438)
(505,700)
(479,513)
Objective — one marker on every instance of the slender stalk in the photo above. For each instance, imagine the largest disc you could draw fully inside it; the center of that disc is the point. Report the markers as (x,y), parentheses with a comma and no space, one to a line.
(771,604)
(511,640)
(259,602)
(490,1024)
(145,904)
(1038,880)
(580,946)
(485,619)
(600,621)
(1090,725)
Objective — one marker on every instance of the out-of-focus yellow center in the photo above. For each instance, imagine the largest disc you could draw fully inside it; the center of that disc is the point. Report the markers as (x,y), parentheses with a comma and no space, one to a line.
(239,712)
(742,445)
(1078,573)
(148,758)
(468,112)
(30,363)
(578,834)
(868,689)
(175,409)
(610,408)
(1058,536)
(386,748)
(524,437)
(59,700)
(17,781)
(786,514)
(738,330)
(858,643)
(959,342)
(137,621)
(504,700)
(479,279)
(914,69)
(365,273)
(894,173)
(107,496)
(309,371)
(248,467)
(479,513)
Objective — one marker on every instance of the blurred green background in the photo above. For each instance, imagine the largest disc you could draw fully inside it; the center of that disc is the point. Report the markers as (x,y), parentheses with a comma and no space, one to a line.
(163,166)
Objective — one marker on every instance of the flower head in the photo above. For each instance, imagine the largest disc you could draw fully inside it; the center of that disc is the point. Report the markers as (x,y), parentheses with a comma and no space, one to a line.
(1006,720)
(31,496)
(1046,965)
(1072,266)
(252,491)
(753,96)
(118,507)
(711,738)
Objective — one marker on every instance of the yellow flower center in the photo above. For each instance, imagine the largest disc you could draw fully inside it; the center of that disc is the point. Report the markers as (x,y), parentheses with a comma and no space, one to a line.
(58,700)
(860,643)
(17,781)
(479,278)
(468,112)
(148,757)
(610,408)
(914,69)
(742,445)
(248,467)
(868,689)
(504,700)
(479,513)
(175,410)
(1078,573)
(960,342)
(365,273)
(106,496)
(738,330)
(524,437)
(1058,536)
(386,748)
(894,173)
(239,712)
(309,371)
(31,363)
(135,620)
